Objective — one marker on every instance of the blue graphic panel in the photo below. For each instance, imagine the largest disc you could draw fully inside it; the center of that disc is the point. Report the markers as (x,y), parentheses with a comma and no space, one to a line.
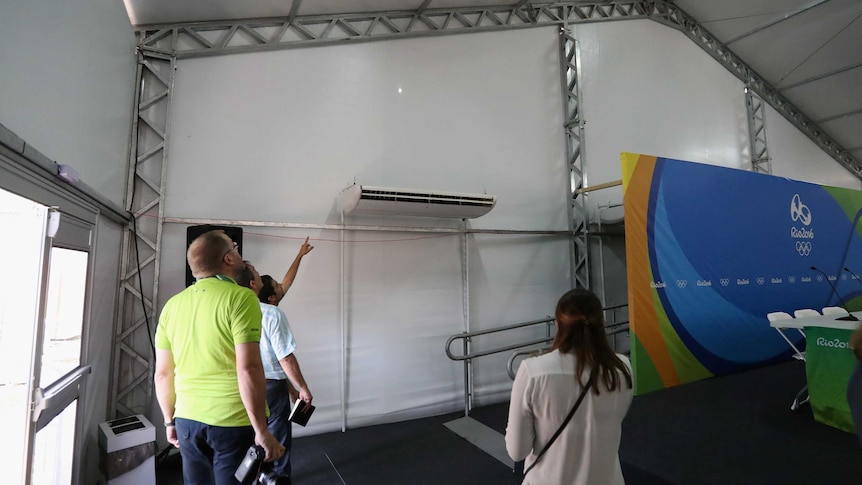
(729,246)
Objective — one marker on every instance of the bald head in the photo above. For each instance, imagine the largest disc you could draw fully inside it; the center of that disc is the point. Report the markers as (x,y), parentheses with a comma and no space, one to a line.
(206,254)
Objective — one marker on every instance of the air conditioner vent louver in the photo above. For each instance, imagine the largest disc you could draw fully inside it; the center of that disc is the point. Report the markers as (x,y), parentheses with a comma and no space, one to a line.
(365,199)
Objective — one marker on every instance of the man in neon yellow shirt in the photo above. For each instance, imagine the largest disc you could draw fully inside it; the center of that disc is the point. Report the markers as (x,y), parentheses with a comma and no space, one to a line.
(209,376)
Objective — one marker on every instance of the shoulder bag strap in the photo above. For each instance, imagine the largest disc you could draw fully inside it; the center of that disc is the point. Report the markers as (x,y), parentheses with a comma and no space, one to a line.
(566,421)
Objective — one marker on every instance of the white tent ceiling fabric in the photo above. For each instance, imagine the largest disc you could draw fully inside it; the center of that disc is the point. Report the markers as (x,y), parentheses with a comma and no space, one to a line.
(809,50)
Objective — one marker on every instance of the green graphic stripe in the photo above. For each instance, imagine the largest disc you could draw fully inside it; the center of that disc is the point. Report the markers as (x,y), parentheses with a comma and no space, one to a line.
(687,366)
(646,376)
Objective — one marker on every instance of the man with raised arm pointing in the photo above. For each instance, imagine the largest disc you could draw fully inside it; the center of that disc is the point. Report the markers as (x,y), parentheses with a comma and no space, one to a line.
(284,380)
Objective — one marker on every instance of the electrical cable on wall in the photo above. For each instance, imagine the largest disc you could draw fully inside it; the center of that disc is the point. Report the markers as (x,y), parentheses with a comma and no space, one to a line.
(140,278)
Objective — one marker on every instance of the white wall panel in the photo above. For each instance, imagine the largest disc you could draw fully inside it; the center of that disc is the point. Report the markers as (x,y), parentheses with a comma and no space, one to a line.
(98,344)
(649,89)
(510,286)
(475,113)
(795,156)
(67,83)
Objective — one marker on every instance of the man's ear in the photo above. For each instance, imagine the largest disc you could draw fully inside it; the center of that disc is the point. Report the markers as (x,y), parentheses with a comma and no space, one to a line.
(271,299)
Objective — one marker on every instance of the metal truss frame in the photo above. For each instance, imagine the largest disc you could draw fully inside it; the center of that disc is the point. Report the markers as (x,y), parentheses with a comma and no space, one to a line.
(573,124)
(761,162)
(160,46)
(132,372)
(251,35)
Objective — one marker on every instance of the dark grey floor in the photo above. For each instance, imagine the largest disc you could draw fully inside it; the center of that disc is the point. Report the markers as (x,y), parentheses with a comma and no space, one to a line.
(736,429)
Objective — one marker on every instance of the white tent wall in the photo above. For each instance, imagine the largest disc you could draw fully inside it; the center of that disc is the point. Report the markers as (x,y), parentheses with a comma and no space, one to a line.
(98,345)
(649,89)
(276,136)
(796,156)
(67,86)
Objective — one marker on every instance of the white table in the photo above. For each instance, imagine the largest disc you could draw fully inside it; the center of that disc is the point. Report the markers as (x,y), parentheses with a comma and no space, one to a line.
(826,321)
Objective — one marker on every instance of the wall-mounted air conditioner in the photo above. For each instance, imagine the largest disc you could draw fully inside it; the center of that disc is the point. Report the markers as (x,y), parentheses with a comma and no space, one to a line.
(365,199)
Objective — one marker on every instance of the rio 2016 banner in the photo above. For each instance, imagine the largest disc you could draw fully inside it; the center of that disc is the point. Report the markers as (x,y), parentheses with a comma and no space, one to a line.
(711,250)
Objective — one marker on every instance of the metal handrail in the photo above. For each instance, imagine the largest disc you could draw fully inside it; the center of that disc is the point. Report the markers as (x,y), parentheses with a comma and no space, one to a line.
(515,355)
(467,357)
(468,335)
(510,363)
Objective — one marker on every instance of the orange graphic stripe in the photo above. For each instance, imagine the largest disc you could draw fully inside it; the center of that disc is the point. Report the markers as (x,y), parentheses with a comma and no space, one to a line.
(643,315)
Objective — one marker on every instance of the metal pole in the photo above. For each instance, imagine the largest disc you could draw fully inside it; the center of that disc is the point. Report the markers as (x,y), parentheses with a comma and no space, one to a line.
(343,337)
(337,227)
(466,379)
(465,308)
(36,359)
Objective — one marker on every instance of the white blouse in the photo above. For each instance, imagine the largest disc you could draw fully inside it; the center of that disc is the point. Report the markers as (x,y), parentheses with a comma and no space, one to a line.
(586,452)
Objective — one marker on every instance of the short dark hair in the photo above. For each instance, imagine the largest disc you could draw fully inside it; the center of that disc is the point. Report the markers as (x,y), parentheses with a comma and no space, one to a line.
(246,276)
(267,290)
(206,253)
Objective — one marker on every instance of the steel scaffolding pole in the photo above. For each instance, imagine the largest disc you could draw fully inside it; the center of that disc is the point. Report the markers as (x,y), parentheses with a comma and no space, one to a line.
(132,372)
(573,124)
(756,109)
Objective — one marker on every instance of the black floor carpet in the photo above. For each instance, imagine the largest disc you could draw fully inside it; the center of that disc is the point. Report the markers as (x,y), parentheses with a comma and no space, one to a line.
(736,429)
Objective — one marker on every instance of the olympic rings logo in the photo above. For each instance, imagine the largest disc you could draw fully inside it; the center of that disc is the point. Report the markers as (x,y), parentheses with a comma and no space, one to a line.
(724,281)
(681,283)
(799,211)
(803,248)
(760,280)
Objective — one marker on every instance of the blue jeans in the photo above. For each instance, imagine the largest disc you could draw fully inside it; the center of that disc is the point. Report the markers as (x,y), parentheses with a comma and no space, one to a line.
(278,400)
(211,454)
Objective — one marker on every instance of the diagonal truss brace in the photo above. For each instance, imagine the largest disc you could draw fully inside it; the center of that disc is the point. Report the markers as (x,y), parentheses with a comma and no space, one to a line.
(758,148)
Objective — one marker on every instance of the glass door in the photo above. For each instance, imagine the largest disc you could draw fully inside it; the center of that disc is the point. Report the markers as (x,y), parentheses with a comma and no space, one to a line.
(41,321)
(23,244)
(61,353)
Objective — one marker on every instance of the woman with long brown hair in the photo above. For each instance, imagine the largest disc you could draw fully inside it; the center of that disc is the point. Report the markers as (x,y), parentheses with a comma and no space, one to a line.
(547,387)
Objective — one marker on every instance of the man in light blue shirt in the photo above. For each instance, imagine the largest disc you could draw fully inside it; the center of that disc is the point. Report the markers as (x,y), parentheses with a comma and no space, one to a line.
(280,365)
